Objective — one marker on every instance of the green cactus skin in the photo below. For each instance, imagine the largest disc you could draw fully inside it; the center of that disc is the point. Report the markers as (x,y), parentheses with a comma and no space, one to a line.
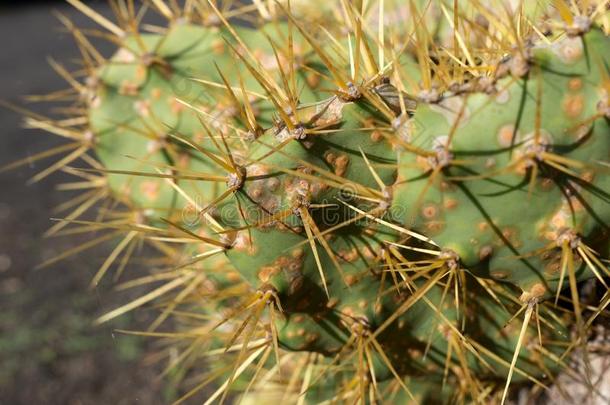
(138,103)
(417,344)
(490,215)
(270,188)
(266,257)
(135,106)
(269,256)
(293,175)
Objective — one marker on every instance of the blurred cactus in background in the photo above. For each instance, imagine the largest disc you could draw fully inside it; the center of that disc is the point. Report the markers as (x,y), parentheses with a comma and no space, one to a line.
(349,202)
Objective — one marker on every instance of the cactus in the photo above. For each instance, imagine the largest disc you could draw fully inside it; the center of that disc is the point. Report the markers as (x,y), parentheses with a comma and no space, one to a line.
(522,198)
(141,111)
(368,214)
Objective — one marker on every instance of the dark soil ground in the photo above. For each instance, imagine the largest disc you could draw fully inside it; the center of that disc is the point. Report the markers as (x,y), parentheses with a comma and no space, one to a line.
(50,351)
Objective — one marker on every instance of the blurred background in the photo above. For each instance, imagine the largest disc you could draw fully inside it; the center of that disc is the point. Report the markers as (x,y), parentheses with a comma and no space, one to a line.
(50,350)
